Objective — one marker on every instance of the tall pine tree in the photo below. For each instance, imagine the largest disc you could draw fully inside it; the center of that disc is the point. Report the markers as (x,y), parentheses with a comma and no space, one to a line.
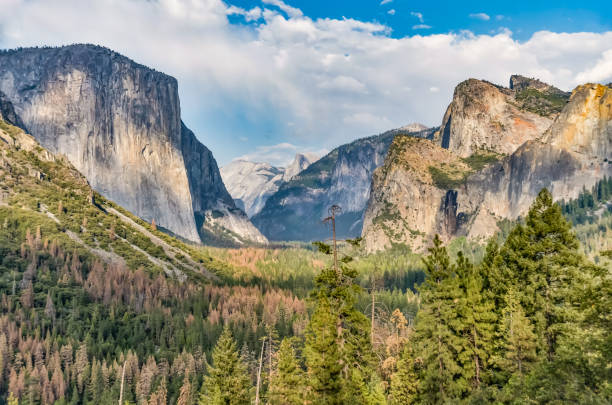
(287,381)
(436,340)
(228,381)
(338,339)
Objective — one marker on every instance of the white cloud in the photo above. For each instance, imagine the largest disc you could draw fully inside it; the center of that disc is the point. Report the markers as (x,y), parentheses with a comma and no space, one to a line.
(253,14)
(391,12)
(421,27)
(417,15)
(333,79)
(600,72)
(343,84)
(291,11)
(480,16)
(499,17)
(383,2)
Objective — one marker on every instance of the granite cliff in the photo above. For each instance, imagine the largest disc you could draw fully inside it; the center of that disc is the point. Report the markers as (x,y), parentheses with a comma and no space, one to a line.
(490,118)
(459,188)
(119,124)
(341,177)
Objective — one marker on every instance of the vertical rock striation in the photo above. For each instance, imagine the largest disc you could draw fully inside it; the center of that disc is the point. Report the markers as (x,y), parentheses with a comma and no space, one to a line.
(119,124)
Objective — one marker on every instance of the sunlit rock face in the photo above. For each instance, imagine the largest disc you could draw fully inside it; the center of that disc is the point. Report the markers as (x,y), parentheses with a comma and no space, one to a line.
(342,177)
(119,124)
(486,117)
(426,188)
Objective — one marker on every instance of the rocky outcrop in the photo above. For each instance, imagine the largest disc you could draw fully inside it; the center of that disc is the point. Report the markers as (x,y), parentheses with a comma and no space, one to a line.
(451,195)
(483,117)
(119,124)
(342,177)
(252,183)
(7,112)
(300,162)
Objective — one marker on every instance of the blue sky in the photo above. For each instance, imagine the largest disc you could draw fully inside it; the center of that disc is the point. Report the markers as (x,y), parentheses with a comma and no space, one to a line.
(264,79)
(406,17)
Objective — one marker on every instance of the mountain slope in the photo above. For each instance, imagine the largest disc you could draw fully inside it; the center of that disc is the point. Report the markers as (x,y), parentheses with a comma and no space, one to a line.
(251,183)
(119,124)
(43,191)
(342,177)
(469,196)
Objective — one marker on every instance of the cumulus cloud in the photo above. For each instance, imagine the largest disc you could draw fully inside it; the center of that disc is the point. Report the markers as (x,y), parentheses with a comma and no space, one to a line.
(421,27)
(383,2)
(249,15)
(417,15)
(480,16)
(291,11)
(285,78)
(391,12)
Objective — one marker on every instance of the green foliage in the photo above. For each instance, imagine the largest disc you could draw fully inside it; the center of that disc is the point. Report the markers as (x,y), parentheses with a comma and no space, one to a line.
(227,382)
(287,383)
(323,247)
(405,383)
(479,161)
(543,103)
(338,349)
(445,179)
(436,341)
(583,209)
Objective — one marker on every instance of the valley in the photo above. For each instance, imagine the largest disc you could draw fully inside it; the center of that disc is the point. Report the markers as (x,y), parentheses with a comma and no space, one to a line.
(466,263)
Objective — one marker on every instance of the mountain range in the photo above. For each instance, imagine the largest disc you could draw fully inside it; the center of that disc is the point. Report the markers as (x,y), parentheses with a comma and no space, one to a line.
(251,183)
(495,150)
(342,177)
(119,124)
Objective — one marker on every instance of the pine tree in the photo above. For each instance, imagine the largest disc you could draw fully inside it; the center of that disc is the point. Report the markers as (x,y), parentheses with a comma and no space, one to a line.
(519,341)
(228,381)
(476,323)
(435,338)
(542,261)
(287,381)
(405,381)
(337,338)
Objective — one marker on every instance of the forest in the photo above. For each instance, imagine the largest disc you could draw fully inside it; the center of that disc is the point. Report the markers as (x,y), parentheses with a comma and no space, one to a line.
(526,321)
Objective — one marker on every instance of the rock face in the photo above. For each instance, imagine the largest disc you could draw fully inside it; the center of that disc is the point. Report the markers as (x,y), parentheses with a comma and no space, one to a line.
(252,183)
(424,189)
(484,117)
(119,124)
(342,177)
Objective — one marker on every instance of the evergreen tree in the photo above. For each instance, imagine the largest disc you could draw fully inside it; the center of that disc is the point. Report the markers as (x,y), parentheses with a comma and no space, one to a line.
(542,261)
(287,382)
(228,381)
(517,337)
(436,340)
(476,323)
(337,338)
(405,381)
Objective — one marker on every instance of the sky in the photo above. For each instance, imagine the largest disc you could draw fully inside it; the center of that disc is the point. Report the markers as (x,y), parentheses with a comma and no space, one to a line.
(264,79)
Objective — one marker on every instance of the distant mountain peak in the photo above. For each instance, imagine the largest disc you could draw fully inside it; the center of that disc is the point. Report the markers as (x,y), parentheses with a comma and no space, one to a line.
(519,83)
(251,183)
